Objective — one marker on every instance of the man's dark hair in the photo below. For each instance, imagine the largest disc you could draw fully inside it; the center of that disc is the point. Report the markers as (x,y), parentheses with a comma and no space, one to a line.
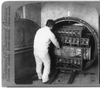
(50,23)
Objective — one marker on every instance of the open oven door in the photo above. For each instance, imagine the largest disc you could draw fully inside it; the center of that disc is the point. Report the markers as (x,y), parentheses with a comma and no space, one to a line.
(24,59)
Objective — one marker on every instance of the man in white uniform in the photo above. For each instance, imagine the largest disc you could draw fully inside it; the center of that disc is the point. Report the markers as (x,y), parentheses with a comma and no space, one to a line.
(43,38)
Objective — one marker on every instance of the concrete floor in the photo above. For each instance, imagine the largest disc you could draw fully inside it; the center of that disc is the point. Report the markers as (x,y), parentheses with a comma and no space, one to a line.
(89,77)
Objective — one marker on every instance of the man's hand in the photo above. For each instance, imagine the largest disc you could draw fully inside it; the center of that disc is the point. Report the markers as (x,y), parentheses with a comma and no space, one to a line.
(58,51)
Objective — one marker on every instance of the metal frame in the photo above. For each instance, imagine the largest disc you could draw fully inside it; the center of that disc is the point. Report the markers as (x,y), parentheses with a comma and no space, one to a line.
(90,28)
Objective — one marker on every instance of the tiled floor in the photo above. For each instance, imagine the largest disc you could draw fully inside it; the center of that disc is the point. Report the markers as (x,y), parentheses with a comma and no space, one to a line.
(88,77)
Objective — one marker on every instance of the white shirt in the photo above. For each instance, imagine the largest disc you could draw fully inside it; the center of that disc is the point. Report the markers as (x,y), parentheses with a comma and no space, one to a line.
(43,38)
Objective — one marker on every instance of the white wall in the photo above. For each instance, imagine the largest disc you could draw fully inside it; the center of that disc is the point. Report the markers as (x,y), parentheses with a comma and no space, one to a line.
(84,11)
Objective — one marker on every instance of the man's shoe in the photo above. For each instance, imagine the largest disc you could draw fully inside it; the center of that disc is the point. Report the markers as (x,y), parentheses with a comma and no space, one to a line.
(52,77)
(48,82)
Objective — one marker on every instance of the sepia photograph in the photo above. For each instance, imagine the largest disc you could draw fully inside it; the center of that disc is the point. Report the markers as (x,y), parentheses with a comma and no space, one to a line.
(50,43)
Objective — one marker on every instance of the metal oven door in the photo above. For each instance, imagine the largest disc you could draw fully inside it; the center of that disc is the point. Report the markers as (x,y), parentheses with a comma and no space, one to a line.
(78,42)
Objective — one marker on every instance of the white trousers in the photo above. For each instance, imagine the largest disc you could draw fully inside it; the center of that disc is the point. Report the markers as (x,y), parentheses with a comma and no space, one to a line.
(42,57)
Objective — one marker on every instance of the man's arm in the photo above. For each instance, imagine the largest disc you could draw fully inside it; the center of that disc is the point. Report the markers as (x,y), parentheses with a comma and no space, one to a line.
(54,40)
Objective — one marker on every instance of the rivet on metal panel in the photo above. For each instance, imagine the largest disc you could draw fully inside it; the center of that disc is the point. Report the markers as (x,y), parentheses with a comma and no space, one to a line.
(80,20)
(83,22)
